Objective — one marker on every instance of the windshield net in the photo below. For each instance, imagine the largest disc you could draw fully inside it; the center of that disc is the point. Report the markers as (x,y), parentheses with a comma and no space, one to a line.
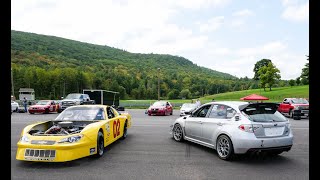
(82,113)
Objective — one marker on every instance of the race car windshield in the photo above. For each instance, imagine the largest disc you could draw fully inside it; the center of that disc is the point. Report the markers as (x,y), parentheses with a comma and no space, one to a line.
(42,102)
(82,114)
(73,96)
(299,101)
(159,103)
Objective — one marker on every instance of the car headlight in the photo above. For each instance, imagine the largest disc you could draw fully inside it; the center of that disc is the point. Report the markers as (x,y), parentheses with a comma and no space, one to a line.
(71,139)
(24,139)
(288,125)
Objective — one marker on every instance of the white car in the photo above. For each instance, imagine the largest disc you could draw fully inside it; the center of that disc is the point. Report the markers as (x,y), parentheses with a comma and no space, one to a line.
(14,106)
(187,108)
(236,128)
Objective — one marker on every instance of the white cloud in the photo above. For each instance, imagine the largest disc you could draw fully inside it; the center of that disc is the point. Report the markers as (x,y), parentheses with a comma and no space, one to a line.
(143,26)
(296,11)
(240,62)
(243,13)
(167,39)
(212,24)
(199,4)
(269,48)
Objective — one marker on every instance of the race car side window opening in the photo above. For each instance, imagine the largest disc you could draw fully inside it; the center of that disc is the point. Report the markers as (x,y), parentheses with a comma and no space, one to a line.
(110,113)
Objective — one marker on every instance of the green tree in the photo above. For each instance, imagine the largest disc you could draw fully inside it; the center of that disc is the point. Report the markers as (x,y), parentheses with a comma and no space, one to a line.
(305,73)
(268,75)
(173,94)
(298,81)
(185,93)
(292,82)
(258,65)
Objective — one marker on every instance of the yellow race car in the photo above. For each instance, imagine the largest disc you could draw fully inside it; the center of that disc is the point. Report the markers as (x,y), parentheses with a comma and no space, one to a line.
(79,131)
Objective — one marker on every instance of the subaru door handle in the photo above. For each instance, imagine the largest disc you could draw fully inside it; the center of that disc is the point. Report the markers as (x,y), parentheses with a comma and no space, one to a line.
(219,124)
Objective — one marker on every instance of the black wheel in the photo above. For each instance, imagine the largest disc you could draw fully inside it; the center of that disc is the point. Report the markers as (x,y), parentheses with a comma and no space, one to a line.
(17,109)
(31,112)
(177,133)
(59,110)
(125,131)
(291,113)
(46,111)
(100,145)
(296,117)
(171,112)
(224,147)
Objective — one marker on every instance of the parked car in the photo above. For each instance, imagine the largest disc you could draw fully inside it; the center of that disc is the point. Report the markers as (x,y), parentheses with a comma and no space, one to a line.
(44,106)
(160,108)
(294,107)
(236,128)
(79,131)
(75,99)
(187,108)
(14,106)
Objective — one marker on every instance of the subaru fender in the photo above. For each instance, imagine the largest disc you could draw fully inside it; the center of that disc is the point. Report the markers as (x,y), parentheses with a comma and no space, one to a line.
(222,132)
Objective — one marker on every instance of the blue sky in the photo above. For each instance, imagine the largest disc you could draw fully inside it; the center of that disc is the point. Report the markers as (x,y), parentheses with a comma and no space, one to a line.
(225,35)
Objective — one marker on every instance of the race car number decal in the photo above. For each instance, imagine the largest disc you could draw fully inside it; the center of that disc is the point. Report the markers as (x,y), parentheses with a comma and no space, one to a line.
(116,128)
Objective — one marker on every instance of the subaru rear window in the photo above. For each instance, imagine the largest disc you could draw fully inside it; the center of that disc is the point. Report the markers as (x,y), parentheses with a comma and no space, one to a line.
(264,112)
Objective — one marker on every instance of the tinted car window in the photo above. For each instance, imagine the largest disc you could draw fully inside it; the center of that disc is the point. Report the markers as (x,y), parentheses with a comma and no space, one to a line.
(218,111)
(263,113)
(202,112)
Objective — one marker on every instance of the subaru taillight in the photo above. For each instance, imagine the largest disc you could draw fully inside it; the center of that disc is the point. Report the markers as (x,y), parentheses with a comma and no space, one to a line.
(249,127)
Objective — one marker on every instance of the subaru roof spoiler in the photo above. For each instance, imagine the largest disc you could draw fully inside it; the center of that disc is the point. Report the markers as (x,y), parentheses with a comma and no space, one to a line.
(270,105)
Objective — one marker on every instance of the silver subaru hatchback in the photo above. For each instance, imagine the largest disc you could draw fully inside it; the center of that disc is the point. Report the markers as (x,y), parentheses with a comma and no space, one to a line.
(233,127)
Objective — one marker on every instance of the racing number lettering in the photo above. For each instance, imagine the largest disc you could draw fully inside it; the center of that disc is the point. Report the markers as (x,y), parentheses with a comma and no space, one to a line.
(116,128)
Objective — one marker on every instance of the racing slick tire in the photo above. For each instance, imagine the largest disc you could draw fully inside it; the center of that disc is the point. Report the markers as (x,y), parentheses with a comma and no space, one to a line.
(100,145)
(125,131)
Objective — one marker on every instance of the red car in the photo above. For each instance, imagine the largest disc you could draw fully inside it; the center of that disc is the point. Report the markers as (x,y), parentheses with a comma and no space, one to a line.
(44,106)
(294,107)
(160,108)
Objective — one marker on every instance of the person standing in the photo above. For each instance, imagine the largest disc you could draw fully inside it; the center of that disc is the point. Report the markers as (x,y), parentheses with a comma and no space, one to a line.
(25,103)
(198,103)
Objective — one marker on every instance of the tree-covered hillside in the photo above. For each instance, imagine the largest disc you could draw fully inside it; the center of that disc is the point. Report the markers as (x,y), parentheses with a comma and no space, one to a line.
(56,66)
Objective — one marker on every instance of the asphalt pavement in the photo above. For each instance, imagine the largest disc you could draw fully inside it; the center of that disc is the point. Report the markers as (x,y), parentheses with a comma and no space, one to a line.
(149,152)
